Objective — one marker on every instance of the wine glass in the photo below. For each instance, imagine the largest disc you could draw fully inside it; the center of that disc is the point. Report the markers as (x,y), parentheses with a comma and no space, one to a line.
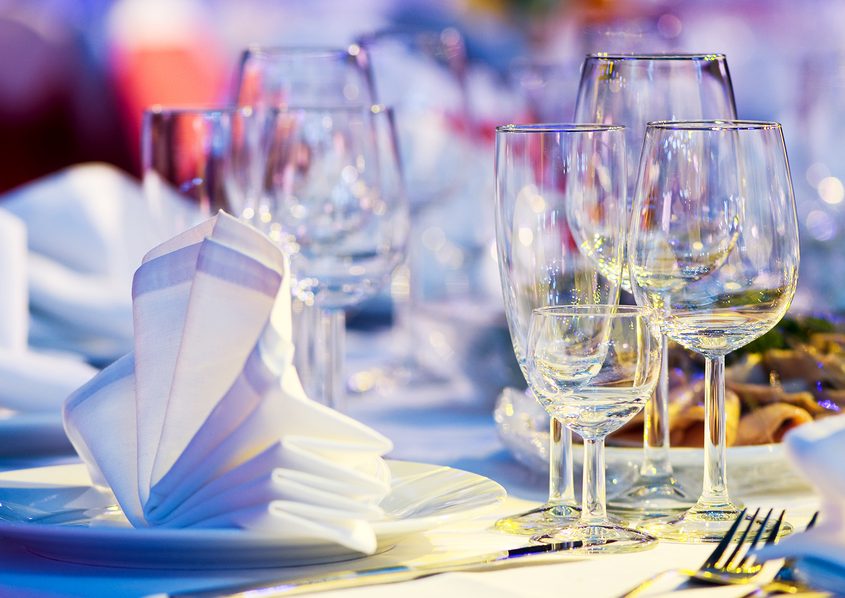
(184,154)
(630,90)
(280,76)
(421,74)
(593,367)
(272,78)
(547,175)
(713,250)
(338,209)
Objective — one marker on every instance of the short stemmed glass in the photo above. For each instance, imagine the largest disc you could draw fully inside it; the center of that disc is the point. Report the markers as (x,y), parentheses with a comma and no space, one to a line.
(338,209)
(550,180)
(593,367)
(713,250)
(630,90)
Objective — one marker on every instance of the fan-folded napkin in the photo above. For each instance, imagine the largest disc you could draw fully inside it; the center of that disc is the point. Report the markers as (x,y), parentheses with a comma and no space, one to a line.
(815,450)
(205,423)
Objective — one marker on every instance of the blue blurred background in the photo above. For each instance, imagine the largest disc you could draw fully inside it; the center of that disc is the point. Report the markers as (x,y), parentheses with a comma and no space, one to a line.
(75,76)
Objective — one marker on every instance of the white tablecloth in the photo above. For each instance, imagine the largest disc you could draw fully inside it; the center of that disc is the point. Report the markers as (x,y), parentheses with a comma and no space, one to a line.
(445,424)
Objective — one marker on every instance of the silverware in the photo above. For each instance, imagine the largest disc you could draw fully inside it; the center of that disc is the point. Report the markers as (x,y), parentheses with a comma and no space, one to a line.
(739,567)
(785,580)
(382,575)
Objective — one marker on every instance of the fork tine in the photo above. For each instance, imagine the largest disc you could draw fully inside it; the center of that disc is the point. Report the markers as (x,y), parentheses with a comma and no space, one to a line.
(812,521)
(724,542)
(773,536)
(749,558)
(740,544)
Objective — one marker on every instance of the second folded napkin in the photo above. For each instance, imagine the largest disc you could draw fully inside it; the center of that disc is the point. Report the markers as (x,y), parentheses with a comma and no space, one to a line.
(205,423)
(816,450)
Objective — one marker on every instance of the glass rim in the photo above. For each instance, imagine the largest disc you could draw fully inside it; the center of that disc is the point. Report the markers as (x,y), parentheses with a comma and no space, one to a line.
(558,128)
(158,109)
(714,125)
(195,110)
(297,51)
(592,308)
(634,56)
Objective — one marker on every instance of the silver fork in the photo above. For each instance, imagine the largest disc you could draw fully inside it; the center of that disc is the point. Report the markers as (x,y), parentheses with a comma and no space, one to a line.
(739,567)
(784,581)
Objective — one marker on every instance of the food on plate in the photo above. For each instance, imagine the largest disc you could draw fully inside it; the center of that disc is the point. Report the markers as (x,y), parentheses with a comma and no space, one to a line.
(790,376)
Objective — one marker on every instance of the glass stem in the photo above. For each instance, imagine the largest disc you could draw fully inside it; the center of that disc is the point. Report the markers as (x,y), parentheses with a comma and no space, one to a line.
(561,482)
(331,349)
(714,494)
(656,462)
(593,492)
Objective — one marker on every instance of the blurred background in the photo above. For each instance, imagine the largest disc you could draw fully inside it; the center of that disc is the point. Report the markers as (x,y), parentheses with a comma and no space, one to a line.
(75,76)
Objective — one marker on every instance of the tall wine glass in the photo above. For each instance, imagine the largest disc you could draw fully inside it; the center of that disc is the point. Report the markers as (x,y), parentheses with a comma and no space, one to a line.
(714,251)
(285,75)
(593,367)
(338,209)
(547,178)
(421,74)
(276,77)
(630,90)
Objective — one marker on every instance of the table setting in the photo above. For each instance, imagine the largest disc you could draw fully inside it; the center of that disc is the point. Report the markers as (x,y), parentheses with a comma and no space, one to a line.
(626,407)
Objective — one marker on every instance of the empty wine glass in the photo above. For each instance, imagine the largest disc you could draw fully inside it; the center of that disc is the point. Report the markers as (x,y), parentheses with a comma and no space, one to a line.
(281,76)
(593,367)
(272,78)
(338,209)
(714,251)
(547,175)
(421,74)
(630,90)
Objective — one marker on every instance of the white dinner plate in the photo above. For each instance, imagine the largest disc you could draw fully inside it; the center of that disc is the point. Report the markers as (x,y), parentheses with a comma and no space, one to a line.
(523,427)
(32,435)
(55,512)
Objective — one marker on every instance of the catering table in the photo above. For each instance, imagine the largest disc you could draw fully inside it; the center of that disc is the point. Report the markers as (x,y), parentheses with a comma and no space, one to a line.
(444,423)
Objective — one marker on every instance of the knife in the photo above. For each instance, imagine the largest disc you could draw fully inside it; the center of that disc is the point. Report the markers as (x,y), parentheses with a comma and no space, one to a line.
(381,575)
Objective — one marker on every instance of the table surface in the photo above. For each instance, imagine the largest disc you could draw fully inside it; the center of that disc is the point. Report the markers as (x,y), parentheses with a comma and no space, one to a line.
(447,424)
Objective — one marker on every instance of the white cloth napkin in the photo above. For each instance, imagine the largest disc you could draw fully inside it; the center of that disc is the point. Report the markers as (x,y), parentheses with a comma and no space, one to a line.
(88,227)
(816,451)
(205,423)
(30,381)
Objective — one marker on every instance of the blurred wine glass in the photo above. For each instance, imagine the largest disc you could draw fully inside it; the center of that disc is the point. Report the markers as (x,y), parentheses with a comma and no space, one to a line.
(714,253)
(544,174)
(272,78)
(279,76)
(421,74)
(631,90)
(338,209)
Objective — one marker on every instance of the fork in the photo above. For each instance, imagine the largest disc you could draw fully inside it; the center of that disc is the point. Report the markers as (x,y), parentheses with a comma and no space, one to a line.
(784,581)
(739,567)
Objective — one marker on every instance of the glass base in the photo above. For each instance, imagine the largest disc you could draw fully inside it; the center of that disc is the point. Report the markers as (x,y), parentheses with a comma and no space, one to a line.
(653,497)
(541,520)
(605,539)
(701,525)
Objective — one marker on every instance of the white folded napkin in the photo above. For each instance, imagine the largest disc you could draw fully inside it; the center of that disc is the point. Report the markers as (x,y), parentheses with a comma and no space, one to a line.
(88,227)
(816,451)
(205,423)
(30,381)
